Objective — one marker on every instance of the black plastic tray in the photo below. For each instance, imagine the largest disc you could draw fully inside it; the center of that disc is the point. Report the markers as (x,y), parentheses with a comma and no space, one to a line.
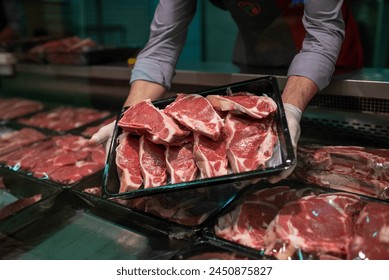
(283,156)
(19,186)
(203,250)
(220,198)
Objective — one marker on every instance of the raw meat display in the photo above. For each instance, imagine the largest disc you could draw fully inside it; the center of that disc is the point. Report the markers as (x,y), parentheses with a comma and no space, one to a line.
(18,138)
(354,169)
(206,148)
(128,163)
(210,156)
(197,114)
(145,119)
(308,223)
(64,118)
(252,105)
(15,107)
(64,159)
(249,144)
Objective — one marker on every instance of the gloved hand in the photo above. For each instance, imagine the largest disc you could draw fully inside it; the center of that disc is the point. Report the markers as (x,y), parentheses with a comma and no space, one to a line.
(103,136)
(293,117)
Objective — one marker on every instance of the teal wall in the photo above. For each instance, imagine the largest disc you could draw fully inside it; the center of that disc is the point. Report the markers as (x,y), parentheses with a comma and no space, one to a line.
(125,23)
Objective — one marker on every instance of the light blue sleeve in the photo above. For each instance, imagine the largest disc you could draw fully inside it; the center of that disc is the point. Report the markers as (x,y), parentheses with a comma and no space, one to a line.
(324,24)
(157,60)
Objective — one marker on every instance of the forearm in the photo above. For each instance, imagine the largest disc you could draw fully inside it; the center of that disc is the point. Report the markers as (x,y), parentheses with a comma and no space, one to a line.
(141,90)
(299,91)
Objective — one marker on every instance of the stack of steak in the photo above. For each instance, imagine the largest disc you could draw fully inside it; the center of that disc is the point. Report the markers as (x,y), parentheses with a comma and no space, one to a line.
(355,169)
(194,137)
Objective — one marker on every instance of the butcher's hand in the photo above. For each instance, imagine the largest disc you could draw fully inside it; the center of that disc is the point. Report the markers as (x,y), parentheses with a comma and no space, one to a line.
(103,136)
(293,117)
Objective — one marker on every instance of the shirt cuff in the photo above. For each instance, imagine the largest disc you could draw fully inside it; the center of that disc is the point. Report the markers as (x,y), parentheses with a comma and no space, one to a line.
(153,72)
(313,66)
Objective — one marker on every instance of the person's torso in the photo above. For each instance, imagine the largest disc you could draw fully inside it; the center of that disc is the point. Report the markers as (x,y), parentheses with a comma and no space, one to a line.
(271,32)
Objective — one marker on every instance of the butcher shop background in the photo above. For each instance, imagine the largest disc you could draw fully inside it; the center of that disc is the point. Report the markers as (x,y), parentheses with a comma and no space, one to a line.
(125,23)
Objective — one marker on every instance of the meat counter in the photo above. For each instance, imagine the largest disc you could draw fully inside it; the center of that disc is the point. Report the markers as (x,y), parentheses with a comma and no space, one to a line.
(352,110)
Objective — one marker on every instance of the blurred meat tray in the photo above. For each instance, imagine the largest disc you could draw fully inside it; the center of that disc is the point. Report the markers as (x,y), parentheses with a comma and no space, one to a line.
(62,160)
(14,107)
(22,201)
(64,119)
(77,51)
(291,221)
(12,139)
(208,135)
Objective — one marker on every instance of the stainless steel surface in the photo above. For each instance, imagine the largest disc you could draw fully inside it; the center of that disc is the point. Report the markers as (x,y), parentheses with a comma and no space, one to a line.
(364,83)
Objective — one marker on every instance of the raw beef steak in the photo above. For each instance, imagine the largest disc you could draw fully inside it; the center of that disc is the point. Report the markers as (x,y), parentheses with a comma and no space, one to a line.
(152,163)
(319,225)
(371,239)
(127,162)
(250,142)
(196,113)
(210,156)
(144,118)
(252,105)
(180,163)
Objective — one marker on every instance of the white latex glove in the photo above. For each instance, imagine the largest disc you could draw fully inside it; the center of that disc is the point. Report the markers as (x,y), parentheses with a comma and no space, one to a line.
(293,117)
(103,136)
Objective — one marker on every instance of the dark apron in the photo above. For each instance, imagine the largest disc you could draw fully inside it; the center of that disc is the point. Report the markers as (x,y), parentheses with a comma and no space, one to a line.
(271,33)
(3,21)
